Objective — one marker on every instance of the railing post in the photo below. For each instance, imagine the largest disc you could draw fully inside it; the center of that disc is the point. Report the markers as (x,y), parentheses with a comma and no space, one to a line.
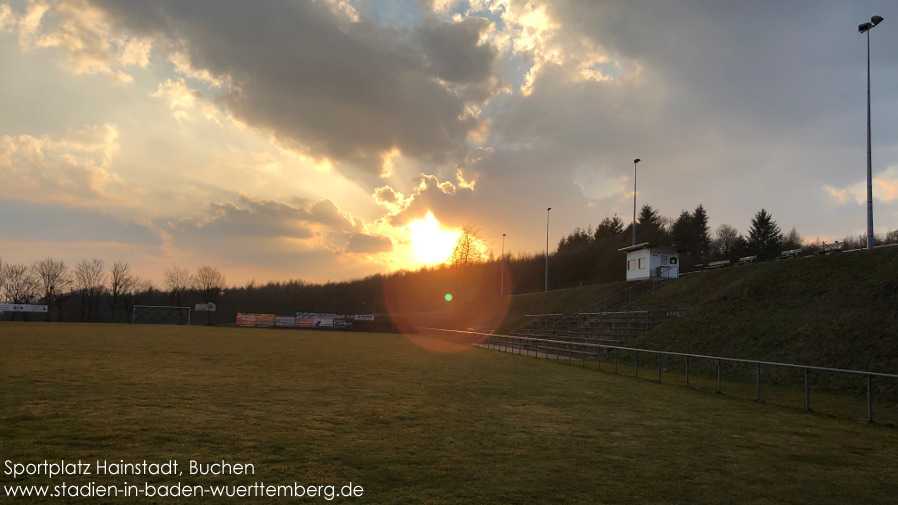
(758,384)
(718,375)
(869,398)
(687,371)
(807,390)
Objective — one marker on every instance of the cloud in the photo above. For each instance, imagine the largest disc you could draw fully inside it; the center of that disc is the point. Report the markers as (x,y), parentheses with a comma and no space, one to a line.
(455,51)
(264,227)
(184,102)
(347,89)
(75,168)
(889,187)
(360,243)
(430,194)
(82,32)
(28,221)
(461,56)
(252,217)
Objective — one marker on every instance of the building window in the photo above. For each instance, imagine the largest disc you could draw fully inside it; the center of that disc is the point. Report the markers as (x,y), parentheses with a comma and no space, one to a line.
(631,265)
(641,263)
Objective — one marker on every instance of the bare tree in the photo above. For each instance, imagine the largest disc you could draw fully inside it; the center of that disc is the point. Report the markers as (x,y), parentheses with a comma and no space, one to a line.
(467,249)
(54,278)
(122,281)
(19,284)
(725,240)
(177,281)
(90,281)
(135,292)
(792,240)
(210,282)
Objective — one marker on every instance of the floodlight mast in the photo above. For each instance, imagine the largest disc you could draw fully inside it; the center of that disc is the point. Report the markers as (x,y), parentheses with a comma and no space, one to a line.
(547,248)
(637,160)
(865,28)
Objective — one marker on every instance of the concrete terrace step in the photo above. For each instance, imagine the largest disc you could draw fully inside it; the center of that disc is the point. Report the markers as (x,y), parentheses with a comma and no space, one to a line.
(618,326)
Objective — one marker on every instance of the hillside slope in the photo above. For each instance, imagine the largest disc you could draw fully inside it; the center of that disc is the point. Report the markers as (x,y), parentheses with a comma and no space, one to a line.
(556,302)
(837,311)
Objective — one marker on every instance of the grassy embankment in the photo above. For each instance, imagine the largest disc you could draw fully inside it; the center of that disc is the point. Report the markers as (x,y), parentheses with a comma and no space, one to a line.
(408,424)
(836,311)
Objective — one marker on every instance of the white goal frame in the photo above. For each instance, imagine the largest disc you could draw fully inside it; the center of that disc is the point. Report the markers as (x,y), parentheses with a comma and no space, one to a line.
(134,311)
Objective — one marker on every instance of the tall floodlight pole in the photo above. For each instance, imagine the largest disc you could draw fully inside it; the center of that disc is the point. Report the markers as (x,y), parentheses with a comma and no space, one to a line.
(865,28)
(637,160)
(547,248)
(502,270)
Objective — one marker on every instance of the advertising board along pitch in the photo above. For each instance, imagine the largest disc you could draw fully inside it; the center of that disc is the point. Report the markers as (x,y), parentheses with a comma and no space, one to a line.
(22,307)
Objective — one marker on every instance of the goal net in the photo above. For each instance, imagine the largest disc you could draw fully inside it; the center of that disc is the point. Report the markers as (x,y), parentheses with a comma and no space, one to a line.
(160,314)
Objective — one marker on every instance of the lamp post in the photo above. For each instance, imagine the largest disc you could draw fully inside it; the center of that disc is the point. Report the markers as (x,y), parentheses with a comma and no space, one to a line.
(637,160)
(502,270)
(865,28)
(547,248)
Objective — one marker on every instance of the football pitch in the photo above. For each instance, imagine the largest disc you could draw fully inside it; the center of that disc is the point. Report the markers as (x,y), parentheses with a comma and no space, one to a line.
(279,416)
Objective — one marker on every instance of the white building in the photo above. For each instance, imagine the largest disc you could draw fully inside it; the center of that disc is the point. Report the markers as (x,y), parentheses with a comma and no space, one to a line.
(647,260)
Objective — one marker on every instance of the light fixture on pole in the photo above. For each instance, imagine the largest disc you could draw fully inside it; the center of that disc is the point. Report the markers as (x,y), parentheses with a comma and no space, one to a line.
(547,248)
(502,270)
(865,28)
(637,160)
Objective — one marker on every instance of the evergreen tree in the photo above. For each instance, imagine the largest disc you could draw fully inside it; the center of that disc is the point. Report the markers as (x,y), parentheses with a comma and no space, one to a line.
(650,226)
(576,240)
(701,233)
(764,238)
(610,228)
(681,233)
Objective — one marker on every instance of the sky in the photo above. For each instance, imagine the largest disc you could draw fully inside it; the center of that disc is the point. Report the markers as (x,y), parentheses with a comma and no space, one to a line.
(327,140)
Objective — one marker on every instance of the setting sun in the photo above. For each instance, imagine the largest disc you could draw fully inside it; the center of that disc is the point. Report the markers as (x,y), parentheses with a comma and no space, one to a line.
(430,243)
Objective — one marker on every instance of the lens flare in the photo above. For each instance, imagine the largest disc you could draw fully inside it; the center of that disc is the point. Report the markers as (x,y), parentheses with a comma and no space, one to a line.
(418,304)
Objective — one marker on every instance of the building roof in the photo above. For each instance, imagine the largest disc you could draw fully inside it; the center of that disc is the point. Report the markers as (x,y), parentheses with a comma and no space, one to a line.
(644,245)
(637,247)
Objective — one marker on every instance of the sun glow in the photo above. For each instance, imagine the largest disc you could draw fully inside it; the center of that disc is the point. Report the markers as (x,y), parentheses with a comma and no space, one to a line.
(430,243)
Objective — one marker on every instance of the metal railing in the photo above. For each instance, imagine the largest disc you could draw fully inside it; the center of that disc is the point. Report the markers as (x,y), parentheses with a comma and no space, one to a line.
(544,347)
(624,295)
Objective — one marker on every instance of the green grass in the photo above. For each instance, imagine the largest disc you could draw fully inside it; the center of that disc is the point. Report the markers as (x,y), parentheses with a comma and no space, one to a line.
(837,311)
(558,301)
(412,425)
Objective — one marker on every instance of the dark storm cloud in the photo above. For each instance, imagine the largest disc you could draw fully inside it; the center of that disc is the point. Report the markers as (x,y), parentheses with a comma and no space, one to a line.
(368,244)
(247,217)
(345,90)
(737,105)
(454,52)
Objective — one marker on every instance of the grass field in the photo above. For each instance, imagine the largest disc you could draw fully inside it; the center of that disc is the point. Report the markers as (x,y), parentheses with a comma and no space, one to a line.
(408,424)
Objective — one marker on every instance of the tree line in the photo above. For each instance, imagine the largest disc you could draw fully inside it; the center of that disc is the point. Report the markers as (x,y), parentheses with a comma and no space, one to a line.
(88,291)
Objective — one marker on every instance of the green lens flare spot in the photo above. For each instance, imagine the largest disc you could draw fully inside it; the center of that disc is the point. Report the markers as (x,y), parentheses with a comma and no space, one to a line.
(448,297)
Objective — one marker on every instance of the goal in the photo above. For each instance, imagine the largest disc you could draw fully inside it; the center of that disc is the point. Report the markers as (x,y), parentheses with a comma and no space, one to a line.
(160,314)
